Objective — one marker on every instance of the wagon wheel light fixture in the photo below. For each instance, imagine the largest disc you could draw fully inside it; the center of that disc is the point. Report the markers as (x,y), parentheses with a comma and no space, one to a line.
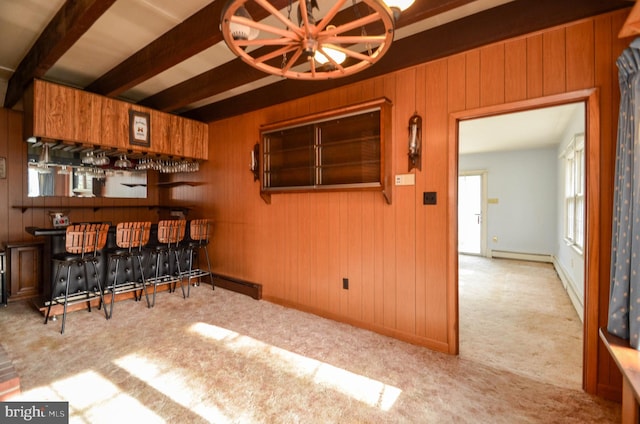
(350,37)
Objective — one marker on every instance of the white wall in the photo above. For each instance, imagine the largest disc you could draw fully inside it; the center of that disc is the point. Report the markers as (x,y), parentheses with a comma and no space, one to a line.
(524,182)
(569,262)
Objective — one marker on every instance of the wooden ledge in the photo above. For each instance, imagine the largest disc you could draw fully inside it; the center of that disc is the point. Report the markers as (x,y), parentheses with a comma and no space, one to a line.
(628,361)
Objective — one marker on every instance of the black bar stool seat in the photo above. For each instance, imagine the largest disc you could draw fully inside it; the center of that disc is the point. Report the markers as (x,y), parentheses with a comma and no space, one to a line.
(199,233)
(131,237)
(167,252)
(83,243)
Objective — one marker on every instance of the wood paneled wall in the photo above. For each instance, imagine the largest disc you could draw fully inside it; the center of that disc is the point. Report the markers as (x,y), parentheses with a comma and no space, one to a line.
(399,258)
(13,192)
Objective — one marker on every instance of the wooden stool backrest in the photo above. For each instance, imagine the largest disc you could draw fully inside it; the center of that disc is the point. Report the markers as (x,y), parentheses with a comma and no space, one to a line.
(86,238)
(199,230)
(132,234)
(171,231)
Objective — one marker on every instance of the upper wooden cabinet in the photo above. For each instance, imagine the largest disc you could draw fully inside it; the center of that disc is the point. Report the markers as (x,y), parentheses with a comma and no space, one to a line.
(60,113)
(344,149)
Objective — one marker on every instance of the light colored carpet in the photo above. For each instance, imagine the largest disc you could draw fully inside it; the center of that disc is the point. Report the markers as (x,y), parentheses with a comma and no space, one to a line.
(516,316)
(222,357)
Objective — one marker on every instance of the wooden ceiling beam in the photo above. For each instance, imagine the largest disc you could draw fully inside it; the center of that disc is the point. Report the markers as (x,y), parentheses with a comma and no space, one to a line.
(197,33)
(72,20)
(509,20)
(236,73)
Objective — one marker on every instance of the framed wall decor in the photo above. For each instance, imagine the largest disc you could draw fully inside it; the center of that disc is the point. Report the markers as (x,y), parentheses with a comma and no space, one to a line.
(139,128)
(3,168)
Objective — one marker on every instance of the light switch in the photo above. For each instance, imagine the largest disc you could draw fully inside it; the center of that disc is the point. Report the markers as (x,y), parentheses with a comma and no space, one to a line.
(405,179)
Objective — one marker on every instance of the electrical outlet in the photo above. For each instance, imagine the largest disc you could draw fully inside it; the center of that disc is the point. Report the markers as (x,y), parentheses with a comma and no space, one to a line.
(429,198)
(345,283)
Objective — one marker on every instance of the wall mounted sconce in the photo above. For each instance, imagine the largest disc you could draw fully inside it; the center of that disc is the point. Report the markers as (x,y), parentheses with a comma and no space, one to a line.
(255,153)
(415,142)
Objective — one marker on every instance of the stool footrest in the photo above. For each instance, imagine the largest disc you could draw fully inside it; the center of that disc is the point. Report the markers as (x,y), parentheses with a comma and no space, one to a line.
(124,288)
(73,298)
(194,273)
(163,279)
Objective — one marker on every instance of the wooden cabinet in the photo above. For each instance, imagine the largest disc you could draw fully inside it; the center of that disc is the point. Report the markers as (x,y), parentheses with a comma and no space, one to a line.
(24,269)
(195,142)
(88,122)
(345,149)
(160,136)
(59,113)
(115,124)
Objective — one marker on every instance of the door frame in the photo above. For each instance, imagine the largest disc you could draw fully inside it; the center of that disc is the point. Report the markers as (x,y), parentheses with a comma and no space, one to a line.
(592,258)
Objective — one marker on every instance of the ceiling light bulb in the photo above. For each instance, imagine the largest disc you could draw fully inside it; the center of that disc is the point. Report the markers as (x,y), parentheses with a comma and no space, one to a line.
(240,31)
(401,5)
(336,55)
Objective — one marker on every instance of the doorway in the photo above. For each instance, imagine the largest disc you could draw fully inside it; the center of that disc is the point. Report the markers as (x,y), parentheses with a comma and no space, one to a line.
(471,213)
(519,127)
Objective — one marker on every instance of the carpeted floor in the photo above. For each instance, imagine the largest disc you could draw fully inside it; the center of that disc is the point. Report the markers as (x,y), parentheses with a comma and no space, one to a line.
(222,357)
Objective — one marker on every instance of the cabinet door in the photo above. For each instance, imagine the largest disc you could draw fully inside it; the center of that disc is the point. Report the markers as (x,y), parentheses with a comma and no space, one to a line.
(176,137)
(115,124)
(195,142)
(60,112)
(24,270)
(160,132)
(89,109)
(38,109)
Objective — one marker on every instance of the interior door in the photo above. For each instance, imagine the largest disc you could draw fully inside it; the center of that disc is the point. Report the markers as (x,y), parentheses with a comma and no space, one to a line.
(470,217)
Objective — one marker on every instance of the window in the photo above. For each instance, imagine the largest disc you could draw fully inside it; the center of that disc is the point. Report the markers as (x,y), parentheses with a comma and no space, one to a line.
(574,192)
(335,150)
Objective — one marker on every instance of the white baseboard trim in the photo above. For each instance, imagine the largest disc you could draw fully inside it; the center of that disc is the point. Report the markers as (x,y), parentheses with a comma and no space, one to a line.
(570,286)
(522,256)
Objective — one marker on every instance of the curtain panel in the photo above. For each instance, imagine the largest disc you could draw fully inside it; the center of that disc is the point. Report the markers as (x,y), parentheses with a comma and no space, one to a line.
(624,296)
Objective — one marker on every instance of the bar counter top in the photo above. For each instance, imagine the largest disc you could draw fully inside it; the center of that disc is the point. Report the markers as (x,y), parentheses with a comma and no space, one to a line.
(37,232)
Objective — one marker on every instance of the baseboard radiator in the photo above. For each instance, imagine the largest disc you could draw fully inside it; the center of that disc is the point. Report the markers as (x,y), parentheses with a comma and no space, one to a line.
(570,286)
(535,257)
(239,286)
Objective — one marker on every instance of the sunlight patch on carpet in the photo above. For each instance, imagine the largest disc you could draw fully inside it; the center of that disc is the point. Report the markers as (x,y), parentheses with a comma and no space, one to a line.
(93,399)
(171,384)
(359,387)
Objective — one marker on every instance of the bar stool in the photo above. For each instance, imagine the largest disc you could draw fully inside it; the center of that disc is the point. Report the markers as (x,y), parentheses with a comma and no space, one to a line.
(170,234)
(82,244)
(199,231)
(131,237)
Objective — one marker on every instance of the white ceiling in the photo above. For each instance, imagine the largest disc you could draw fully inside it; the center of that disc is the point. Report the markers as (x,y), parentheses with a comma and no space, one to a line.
(531,129)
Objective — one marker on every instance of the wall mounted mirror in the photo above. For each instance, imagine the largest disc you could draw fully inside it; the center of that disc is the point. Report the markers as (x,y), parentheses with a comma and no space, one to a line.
(67,173)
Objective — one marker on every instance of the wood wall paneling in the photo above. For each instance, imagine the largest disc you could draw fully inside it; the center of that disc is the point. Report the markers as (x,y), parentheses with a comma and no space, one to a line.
(472,79)
(554,61)
(4,182)
(492,74)
(580,54)
(515,70)
(535,70)
(405,201)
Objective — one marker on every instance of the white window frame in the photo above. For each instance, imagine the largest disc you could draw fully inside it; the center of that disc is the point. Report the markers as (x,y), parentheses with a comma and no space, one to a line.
(574,193)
